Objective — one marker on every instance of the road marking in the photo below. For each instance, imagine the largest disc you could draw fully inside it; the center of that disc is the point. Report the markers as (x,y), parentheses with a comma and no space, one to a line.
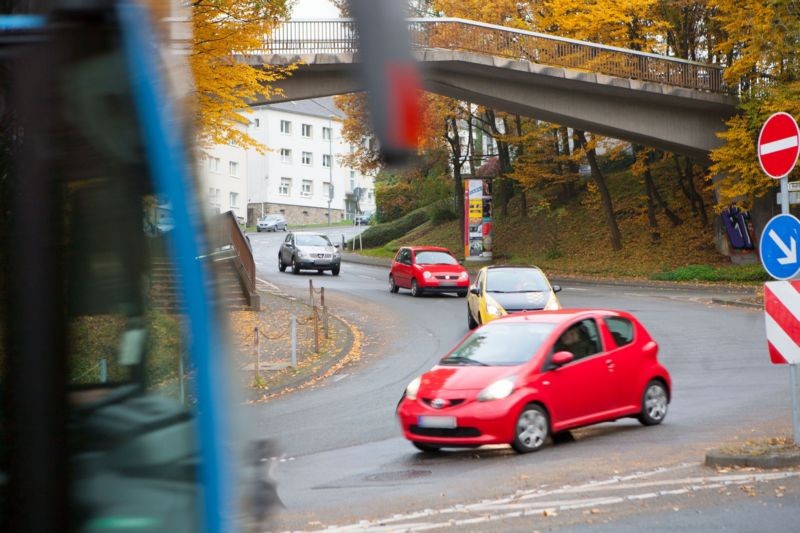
(271,286)
(579,497)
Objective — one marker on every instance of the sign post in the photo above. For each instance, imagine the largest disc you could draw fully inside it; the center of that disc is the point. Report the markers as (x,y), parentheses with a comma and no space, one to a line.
(778,149)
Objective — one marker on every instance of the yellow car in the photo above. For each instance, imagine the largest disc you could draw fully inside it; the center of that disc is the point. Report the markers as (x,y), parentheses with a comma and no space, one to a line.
(501,290)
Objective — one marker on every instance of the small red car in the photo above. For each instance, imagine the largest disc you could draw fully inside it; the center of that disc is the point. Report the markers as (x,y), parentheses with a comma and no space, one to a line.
(427,269)
(524,377)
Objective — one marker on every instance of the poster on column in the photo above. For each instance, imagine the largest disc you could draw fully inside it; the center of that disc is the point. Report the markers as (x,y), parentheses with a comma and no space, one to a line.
(478,207)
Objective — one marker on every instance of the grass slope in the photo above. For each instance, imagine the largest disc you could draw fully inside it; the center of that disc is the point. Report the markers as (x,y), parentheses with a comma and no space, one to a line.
(574,240)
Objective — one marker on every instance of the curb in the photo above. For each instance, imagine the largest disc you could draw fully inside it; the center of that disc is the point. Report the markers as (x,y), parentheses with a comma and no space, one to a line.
(738,303)
(646,284)
(722,459)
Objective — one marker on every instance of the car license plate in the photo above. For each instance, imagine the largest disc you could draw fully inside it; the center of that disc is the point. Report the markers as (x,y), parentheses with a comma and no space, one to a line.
(444,422)
(447,283)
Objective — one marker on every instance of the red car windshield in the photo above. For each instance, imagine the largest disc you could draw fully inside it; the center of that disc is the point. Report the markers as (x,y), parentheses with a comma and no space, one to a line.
(435,258)
(498,344)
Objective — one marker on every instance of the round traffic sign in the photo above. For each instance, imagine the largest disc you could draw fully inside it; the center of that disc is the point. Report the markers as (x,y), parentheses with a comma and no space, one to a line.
(778,247)
(778,145)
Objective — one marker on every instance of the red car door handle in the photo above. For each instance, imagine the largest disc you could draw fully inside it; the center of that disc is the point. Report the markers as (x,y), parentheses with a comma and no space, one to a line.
(610,364)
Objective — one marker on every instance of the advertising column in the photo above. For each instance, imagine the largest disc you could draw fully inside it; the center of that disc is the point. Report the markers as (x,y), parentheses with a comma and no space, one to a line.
(478,220)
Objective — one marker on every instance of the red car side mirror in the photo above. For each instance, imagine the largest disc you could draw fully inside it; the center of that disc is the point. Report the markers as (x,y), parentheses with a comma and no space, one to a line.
(562,358)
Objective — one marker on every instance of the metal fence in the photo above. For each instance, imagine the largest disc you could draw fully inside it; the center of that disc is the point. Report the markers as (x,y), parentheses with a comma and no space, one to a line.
(335,36)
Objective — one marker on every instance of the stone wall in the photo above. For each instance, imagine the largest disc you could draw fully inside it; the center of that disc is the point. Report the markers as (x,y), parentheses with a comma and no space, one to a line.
(296,215)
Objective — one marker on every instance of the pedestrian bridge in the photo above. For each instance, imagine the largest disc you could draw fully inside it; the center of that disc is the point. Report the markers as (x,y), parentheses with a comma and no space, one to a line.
(668,103)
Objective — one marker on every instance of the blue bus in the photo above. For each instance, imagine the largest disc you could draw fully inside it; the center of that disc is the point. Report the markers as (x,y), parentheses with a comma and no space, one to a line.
(117,414)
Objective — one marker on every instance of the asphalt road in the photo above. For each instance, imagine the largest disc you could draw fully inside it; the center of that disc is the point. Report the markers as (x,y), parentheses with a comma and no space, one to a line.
(344,462)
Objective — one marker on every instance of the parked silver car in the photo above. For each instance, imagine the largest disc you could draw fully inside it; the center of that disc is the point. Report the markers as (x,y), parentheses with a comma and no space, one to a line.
(310,251)
(272,223)
(362,219)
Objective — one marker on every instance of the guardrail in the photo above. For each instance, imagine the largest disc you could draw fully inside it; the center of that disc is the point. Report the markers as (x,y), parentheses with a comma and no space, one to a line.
(334,36)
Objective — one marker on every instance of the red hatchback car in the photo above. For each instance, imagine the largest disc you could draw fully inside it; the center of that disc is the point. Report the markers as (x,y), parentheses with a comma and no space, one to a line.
(427,269)
(524,377)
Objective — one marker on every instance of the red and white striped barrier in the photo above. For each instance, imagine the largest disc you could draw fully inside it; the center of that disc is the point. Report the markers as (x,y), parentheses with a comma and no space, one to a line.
(782,317)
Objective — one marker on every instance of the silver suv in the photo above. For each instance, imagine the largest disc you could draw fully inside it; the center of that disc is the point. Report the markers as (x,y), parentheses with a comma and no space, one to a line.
(272,223)
(311,251)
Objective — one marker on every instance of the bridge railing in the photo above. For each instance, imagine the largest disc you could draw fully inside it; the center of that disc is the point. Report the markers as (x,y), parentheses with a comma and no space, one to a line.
(334,36)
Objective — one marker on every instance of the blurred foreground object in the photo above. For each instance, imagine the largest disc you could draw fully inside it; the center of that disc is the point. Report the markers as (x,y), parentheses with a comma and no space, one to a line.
(390,76)
(118,413)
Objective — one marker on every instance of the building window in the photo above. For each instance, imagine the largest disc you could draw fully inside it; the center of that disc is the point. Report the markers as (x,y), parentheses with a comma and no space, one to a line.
(286,186)
(307,188)
(306,158)
(234,198)
(233,168)
(326,160)
(327,191)
(369,194)
(326,133)
(352,179)
(213,196)
(306,130)
(213,164)
(286,155)
(257,123)
(286,127)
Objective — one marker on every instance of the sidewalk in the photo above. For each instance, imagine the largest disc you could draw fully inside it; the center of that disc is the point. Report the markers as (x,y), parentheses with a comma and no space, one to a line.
(265,371)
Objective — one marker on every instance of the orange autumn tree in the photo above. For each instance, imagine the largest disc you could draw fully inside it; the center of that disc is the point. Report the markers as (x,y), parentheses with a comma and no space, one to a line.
(763,42)
(223,29)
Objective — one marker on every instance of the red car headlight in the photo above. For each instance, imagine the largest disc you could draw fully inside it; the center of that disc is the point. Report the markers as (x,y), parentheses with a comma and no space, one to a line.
(412,389)
(502,388)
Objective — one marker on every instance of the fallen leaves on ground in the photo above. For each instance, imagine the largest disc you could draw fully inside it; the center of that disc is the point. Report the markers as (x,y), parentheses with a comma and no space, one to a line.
(763,446)
(314,352)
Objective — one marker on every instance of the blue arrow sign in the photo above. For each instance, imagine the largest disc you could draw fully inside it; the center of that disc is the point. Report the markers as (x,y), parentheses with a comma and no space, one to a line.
(778,247)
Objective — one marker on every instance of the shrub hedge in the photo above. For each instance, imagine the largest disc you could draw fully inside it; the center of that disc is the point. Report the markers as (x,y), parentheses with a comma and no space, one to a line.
(381,234)
(733,273)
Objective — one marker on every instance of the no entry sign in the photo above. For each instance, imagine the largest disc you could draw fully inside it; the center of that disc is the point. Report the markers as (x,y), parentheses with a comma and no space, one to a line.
(778,145)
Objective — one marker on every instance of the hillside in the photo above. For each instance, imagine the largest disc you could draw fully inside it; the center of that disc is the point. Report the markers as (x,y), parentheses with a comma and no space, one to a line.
(572,238)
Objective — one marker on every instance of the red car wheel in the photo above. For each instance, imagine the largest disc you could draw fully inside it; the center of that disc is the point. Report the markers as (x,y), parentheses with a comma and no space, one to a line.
(531,430)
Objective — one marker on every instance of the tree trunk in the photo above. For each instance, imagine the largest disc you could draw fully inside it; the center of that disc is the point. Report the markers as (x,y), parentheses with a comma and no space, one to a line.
(602,188)
(655,201)
(689,175)
(655,234)
(571,166)
(523,199)
(455,158)
(662,204)
(682,184)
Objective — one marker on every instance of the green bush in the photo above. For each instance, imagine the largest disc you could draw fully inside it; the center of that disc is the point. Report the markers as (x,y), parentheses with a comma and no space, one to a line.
(441,214)
(382,234)
(732,273)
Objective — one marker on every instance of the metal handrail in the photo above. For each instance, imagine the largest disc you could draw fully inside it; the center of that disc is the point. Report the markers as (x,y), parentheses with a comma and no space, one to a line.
(227,238)
(334,36)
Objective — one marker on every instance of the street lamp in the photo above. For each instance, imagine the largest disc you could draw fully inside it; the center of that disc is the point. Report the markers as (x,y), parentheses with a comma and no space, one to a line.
(330,167)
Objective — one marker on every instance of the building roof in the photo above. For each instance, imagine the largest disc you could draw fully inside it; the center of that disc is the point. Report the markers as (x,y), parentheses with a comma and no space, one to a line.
(315,107)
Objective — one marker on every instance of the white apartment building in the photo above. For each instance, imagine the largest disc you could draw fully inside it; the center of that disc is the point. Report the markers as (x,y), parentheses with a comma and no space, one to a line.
(223,173)
(300,175)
